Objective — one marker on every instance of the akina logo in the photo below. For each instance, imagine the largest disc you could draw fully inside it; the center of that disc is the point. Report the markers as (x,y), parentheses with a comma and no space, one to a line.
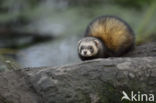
(138,96)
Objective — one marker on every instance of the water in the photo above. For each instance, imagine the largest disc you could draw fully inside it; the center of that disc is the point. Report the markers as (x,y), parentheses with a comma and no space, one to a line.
(54,53)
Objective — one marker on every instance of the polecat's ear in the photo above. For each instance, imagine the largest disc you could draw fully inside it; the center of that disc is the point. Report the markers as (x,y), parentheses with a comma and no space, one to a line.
(96,42)
(79,42)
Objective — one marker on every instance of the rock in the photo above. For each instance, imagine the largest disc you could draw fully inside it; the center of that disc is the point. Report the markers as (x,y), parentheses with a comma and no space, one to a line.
(94,81)
(144,50)
(101,80)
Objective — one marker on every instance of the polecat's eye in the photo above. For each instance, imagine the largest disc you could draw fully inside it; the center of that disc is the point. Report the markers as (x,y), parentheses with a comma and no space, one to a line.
(82,47)
(90,47)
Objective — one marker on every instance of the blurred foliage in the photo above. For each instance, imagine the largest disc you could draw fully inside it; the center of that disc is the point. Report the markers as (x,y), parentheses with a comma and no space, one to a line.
(144,31)
(20,12)
(86,3)
(125,3)
(7,63)
(14,11)
(134,3)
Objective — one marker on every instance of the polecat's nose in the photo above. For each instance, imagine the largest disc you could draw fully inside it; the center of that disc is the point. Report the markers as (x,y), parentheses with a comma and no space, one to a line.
(85,52)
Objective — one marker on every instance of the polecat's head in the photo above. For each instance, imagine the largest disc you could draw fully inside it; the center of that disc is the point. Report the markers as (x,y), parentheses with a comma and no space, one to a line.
(88,47)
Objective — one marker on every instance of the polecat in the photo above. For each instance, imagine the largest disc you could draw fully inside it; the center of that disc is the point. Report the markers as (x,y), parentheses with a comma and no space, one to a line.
(106,36)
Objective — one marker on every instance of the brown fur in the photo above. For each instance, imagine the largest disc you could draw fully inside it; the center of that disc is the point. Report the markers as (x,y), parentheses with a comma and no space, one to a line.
(112,31)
